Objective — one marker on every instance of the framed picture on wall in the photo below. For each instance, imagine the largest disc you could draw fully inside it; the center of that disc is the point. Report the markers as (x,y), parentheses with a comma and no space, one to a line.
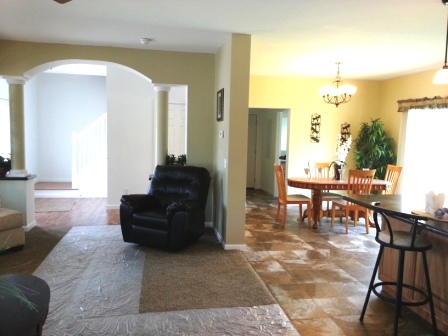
(220,105)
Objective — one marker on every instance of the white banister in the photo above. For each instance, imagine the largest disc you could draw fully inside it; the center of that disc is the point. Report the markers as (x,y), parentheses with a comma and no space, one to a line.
(88,147)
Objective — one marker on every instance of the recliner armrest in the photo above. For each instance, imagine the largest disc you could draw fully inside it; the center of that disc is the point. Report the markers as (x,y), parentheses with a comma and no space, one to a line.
(140,202)
(186,205)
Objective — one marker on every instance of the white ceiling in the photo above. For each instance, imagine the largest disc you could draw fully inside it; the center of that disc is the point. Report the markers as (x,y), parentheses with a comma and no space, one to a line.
(373,39)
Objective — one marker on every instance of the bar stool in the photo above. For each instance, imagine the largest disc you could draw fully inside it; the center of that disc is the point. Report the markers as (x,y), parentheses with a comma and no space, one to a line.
(403,242)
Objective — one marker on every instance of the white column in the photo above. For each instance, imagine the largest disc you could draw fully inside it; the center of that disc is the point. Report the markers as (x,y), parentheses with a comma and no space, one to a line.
(161,123)
(17,190)
(17,121)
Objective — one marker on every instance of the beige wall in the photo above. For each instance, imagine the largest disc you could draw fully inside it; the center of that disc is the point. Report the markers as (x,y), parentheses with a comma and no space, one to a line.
(232,73)
(229,69)
(192,69)
(198,72)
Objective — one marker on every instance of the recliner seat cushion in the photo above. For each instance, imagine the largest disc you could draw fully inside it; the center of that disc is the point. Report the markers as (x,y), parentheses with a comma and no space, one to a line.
(159,220)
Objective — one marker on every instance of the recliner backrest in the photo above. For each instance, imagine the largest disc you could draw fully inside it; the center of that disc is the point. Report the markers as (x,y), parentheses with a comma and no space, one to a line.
(176,183)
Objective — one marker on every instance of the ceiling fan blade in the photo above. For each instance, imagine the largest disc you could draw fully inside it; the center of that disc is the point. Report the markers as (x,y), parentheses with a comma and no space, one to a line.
(62,1)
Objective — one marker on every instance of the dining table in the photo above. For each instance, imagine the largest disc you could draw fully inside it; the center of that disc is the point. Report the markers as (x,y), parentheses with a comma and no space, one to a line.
(318,185)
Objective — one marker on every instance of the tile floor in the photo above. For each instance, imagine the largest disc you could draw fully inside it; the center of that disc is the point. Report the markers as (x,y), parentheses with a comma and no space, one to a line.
(320,277)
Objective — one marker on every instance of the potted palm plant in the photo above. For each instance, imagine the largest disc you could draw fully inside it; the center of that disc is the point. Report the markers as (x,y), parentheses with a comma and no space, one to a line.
(373,148)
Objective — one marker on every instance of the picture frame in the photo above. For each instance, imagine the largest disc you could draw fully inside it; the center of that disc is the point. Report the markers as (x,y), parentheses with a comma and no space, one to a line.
(220,105)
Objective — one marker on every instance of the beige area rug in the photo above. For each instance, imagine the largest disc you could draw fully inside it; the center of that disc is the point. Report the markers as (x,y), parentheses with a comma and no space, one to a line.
(54,204)
(96,288)
(53,186)
(201,276)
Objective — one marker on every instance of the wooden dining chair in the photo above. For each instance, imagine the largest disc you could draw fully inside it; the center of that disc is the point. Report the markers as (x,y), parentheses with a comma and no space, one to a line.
(323,170)
(392,175)
(285,200)
(359,183)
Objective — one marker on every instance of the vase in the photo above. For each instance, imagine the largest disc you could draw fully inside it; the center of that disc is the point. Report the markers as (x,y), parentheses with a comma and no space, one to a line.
(337,175)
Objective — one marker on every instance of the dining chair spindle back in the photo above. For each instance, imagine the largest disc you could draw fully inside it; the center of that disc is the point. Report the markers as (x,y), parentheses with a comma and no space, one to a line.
(323,170)
(284,199)
(392,176)
(359,183)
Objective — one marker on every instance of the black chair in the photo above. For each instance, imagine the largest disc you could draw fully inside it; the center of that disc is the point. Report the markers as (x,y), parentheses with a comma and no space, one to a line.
(172,214)
(402,241)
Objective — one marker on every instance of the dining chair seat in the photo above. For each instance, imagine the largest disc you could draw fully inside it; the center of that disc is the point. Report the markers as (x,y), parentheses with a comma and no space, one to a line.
(284,199)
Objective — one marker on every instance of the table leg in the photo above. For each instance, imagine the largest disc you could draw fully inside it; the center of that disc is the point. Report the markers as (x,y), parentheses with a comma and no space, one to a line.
(316,198)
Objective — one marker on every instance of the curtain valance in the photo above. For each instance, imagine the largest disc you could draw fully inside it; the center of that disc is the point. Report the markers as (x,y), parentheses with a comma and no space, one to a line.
(422,103)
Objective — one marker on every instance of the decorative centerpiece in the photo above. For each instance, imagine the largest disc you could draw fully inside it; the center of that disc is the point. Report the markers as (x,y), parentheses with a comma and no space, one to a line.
(342,149)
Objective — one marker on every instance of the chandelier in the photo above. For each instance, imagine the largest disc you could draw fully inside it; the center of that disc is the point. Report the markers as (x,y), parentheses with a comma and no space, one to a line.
(337,94)
(441,76)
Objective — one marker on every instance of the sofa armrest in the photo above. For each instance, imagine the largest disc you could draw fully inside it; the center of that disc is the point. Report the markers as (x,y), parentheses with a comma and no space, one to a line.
(140,202)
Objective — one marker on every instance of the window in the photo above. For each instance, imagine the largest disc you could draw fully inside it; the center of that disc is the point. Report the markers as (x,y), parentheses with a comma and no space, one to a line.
(425,158)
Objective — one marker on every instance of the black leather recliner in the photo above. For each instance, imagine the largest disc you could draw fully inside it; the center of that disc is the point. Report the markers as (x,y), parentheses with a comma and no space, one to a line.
(172,214)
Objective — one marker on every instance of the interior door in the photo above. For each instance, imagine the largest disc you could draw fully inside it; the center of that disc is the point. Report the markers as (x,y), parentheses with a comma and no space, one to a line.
(251,151)
(176,129)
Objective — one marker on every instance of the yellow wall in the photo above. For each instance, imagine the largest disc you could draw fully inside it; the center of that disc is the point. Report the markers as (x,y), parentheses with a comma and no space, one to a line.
(413,86)
(300,95)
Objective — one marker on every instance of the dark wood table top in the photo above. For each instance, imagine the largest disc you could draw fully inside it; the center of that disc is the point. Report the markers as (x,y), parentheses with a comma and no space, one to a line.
(399,206)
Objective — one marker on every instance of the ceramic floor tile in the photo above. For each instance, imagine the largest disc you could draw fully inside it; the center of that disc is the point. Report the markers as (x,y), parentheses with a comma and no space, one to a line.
(318,327)
(320,277)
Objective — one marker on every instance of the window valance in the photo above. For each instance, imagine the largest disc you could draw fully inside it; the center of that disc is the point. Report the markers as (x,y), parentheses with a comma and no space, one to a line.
(422,103)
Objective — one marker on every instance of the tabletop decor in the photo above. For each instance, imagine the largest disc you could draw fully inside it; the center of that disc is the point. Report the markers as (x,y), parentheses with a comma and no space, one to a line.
(5,165)
(342,149)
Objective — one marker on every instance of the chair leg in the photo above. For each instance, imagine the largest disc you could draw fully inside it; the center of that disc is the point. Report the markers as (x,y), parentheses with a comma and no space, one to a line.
(308,209)
(284,215)
(355,217)
(278,211)
(300,213)
(346,220)
(372,280)
(333,213)
(399,293)
(430,301)
(366,218)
